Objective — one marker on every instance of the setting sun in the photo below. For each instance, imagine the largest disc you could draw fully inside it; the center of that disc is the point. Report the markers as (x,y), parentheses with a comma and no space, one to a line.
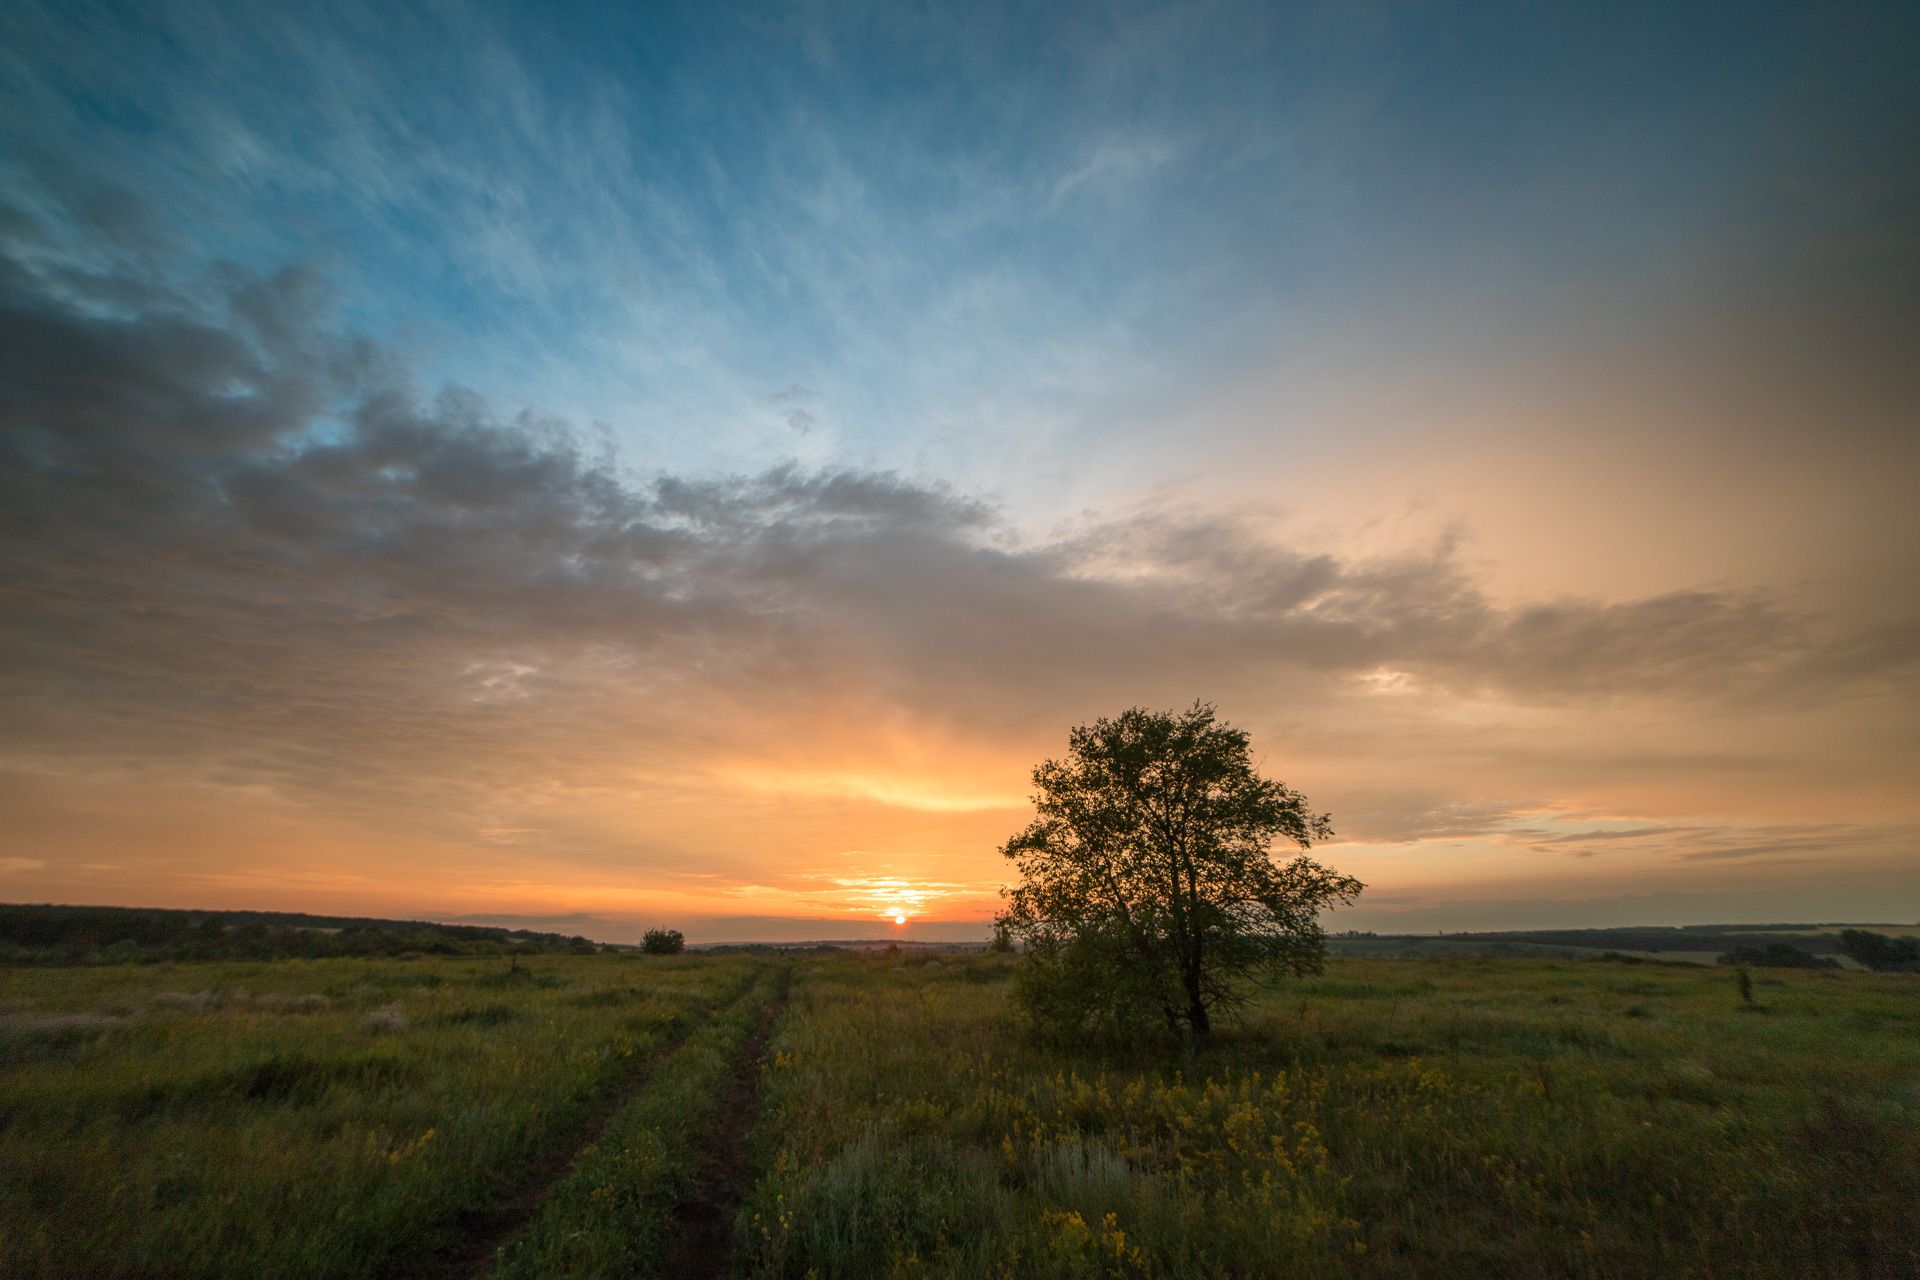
(899,917)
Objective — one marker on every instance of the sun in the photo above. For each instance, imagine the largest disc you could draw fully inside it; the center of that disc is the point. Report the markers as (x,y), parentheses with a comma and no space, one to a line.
(891,899)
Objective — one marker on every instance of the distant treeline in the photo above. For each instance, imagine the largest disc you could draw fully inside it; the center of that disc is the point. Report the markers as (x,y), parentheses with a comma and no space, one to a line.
(1778,955)
(1659,938)
(55,935)
(1876,951)
(1881,953)
(1781,946)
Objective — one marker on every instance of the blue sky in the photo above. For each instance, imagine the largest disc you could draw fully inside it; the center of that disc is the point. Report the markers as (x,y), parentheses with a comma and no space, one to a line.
(979,244)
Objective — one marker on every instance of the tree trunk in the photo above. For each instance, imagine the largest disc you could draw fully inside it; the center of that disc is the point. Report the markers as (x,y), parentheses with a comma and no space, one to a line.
(1196,1007)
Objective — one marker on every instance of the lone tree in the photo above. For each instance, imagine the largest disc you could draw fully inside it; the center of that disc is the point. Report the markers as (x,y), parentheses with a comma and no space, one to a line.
(1147,890)
(663,942)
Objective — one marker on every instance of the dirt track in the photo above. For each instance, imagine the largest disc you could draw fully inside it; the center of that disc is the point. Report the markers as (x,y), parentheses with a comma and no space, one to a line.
(702,1246)
(481,1233)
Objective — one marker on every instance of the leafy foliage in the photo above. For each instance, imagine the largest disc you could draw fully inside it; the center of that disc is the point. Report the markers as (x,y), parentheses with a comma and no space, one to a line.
(663,942)
(1147,890)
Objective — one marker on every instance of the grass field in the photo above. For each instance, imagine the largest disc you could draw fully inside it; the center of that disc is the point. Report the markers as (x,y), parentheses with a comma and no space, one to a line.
(1394,1117)
(329,1118)
(606,1115)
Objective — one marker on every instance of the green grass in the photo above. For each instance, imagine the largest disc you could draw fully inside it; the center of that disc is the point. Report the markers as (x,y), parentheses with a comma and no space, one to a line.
(1434,1116)
(1394,1117)
(312,1118)
(612,1214)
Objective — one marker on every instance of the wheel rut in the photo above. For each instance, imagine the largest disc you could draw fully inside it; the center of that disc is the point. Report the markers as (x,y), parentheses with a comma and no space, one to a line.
(481,1233)
(702,1243)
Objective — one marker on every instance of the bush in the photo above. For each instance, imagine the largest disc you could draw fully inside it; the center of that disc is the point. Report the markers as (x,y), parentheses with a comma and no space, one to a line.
(663,942)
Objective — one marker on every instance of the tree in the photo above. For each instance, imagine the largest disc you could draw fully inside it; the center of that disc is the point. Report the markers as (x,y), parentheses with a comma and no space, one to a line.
(663,942)
(1147,887)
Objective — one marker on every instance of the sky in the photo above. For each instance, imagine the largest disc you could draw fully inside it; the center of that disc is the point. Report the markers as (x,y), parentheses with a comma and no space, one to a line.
(596,467)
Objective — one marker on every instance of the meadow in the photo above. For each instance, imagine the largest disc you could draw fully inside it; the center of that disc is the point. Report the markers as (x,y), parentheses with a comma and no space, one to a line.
(1422,1117)
(566,1116)
(348,1117)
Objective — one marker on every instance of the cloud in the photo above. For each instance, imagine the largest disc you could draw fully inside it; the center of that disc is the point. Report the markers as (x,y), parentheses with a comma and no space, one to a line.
(233,489)
(792,404)
(1714,842)
(246,555)
(1112,163)
(1388,818)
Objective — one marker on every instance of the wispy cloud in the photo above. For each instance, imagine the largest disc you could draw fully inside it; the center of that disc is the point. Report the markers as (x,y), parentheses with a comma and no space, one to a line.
(1111,164)
(1714,842)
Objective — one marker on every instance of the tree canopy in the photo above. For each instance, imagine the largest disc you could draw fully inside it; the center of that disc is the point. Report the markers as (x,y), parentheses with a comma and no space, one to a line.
(663,942)
(1147,887)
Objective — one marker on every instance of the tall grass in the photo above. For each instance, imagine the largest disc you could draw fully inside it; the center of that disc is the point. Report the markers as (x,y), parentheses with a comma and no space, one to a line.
(1393,1118)
(1418,1117)
(311,1118)
(613,1213)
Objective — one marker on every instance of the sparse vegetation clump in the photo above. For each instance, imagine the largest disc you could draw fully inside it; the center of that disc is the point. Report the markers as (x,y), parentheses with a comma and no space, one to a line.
(386,1020)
